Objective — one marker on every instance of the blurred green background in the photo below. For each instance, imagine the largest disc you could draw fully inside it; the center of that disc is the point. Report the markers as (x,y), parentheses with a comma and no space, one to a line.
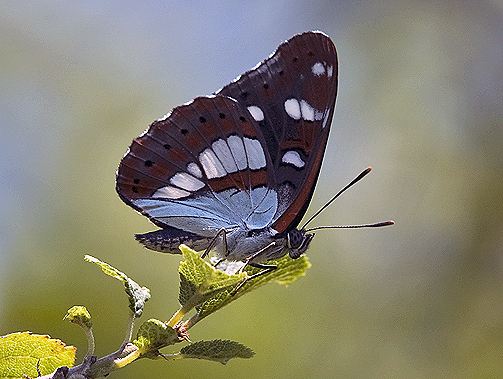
(420,100)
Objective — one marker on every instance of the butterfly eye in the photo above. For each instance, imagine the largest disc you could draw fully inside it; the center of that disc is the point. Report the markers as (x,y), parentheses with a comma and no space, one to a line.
(298,242)
(295,238)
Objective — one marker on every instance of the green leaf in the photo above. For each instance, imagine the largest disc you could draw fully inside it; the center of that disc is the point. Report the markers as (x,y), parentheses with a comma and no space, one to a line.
(106,268)
(152,336)
(21,352)
(187,290)
(80,316)
(197,278)
(217,350)
(288,270)
(200,281)
(137,295)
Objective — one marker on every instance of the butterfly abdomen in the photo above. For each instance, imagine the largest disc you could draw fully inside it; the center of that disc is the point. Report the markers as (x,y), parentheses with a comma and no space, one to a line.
(168,240)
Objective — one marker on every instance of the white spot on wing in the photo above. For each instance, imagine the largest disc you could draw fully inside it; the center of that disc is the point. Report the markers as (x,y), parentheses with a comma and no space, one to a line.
(238,151)
(194,169)
(330,71)
(309,113)
(292,108)
(211,165)
(293,157)
(256,113)
(255,153)
(186,181)
(325,119)
(171,192)
(306,110)
(318,69)
(224,154)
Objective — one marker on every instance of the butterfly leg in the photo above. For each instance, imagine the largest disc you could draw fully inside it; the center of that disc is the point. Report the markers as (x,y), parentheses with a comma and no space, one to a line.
(265,268)
(217,263)
(222,232)
(249,260)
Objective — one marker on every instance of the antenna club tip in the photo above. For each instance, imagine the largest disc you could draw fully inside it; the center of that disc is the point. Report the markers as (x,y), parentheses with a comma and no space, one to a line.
(364,172)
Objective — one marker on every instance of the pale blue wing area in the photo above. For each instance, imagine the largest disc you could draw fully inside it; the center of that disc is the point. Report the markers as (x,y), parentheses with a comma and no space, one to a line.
(205,215)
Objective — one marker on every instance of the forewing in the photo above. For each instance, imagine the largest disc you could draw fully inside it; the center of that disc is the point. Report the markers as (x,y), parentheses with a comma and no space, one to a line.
(291,95)
(199,169)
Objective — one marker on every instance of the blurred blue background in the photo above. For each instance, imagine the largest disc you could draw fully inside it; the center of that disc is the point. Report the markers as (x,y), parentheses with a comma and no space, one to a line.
(420,100)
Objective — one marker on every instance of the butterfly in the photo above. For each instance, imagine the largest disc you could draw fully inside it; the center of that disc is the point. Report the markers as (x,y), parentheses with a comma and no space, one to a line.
(235,171)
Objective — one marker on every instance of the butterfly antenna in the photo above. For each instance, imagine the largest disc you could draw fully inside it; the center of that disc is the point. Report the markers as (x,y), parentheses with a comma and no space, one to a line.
(354,181)
(376,225)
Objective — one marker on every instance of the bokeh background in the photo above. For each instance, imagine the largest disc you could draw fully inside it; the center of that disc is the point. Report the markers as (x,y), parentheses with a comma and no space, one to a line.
(420,100)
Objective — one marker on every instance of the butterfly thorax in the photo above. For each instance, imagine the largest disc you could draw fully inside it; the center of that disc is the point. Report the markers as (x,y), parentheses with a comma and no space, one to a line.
(263,244)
